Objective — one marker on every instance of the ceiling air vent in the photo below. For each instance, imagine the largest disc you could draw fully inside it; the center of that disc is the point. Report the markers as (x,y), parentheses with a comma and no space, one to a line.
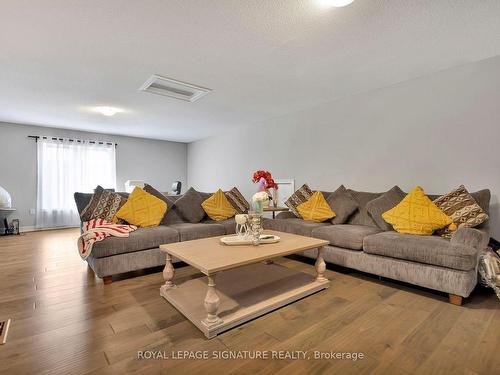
(175,89)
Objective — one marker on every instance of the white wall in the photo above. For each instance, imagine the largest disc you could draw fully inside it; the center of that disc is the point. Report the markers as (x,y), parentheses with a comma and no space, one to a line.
(157,162)
(438,131)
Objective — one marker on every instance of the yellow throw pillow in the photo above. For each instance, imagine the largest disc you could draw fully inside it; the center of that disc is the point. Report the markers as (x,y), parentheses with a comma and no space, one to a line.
(316,208)
(142,209)
(218,207)
(416,214)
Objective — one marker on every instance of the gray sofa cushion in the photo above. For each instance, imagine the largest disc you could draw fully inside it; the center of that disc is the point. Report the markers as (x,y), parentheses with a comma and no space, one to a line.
(428,276)
(342,203)
(190,231)
(82,200)
(229,224)
(385,202)
(349,236)
(141,239)
(295,226)
(189,206)
(470,237)
(433,250)
(173,215)
(482,198)
(285,215)
(361,216)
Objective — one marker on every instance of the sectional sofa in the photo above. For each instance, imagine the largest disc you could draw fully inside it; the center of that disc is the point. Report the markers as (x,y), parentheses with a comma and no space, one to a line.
(447,265)
(141,250)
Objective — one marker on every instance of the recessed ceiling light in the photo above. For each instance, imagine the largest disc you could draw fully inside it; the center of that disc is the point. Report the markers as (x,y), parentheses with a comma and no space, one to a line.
(334,3)
(108,111)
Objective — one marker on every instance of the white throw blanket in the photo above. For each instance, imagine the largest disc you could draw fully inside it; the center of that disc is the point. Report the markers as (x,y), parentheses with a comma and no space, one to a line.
(98,229)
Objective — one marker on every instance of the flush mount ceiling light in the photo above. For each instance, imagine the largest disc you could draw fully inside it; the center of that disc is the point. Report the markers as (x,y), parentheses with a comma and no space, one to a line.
(333,3)
(175,89)
(107,111)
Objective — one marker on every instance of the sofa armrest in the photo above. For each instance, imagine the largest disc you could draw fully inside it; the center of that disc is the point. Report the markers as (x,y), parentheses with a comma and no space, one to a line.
(470,237)
(285,215)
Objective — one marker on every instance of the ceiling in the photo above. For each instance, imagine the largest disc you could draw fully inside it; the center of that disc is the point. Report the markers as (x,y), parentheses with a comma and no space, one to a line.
(261,58)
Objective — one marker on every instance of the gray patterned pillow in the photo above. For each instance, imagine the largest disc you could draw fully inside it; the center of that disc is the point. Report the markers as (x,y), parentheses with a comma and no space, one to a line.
(300,196)
(237,200)
(104,204)
(462,208)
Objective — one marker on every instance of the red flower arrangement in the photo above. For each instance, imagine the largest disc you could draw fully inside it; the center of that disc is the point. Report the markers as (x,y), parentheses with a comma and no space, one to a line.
(268,178)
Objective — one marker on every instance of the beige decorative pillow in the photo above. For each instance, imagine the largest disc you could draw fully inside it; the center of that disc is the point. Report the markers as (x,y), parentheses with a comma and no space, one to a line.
(237,200)
(300,196)
(462,208)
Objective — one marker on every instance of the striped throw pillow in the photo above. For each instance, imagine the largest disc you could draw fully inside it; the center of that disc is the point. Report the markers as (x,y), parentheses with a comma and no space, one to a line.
(237,200)
(462,208)
(300,196)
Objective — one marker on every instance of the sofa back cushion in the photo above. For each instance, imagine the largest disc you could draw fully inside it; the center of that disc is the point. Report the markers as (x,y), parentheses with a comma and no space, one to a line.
(384,203)
(342,203)
(82,200)
(189,205)
(482,198)
(361,216)
(173,215)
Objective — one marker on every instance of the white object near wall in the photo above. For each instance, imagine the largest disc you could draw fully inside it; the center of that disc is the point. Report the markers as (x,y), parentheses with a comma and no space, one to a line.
(131,184)
(5,199)
(241,225)
(286,187)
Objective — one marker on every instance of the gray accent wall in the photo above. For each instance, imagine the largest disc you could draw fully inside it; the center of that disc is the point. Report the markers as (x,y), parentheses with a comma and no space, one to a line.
(437,131)
(156,162)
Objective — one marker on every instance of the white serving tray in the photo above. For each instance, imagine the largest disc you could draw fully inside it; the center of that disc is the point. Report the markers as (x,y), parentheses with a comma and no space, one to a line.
(235,240)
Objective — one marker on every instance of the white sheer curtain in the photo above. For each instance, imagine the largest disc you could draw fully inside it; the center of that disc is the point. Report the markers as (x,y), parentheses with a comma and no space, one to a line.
(66,167)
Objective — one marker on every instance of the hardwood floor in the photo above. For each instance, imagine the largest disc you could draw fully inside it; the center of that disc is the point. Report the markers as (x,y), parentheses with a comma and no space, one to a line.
(66,321)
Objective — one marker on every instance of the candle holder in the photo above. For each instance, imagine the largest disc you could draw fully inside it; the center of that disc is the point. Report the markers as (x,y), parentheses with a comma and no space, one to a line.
(242,226)
(255,224)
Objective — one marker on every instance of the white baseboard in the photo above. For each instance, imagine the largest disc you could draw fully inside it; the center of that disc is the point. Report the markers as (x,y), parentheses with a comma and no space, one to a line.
(32,228)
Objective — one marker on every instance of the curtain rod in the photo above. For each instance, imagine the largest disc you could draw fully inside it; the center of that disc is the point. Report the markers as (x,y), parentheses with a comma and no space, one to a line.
(36,137)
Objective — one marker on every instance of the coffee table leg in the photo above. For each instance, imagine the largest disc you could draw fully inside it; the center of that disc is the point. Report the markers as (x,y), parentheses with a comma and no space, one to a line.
(320,266)
(212,302)
(168,273)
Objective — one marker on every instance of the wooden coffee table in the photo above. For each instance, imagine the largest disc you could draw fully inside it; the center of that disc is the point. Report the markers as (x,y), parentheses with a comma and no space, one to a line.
(241,282)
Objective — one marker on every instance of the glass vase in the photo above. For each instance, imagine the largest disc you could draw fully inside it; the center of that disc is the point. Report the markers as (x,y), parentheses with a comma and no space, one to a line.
(275,197)
(255,226)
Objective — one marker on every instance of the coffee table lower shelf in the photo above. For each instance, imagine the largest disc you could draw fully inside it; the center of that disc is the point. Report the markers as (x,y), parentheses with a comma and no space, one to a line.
(244,293)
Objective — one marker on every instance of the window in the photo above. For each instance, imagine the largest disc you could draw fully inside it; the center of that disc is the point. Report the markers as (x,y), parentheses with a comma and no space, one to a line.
(65,167)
